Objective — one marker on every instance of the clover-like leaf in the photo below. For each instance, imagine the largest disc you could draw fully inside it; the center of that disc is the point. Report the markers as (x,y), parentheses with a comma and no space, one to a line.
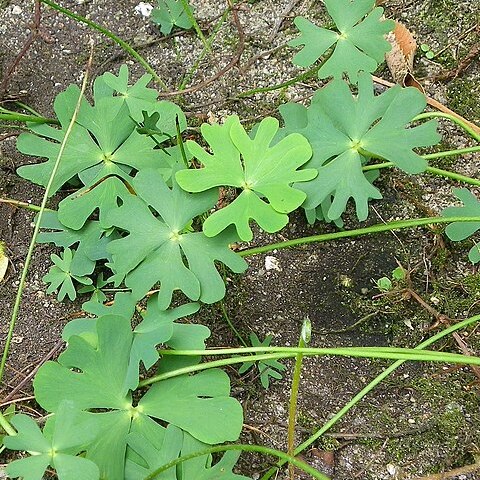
(360,43)
(458,231)
(163,249)
(346,132)
(170,13)
(64,436)
(61,276)
(265,172)
(104,136)
(91,241)
(266,368)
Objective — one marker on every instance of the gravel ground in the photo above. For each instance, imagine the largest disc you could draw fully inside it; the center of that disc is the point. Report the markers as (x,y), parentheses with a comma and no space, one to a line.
(425,418)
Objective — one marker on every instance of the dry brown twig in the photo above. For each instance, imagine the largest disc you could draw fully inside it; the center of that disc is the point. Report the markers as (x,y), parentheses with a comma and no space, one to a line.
(36,32)
(235,59)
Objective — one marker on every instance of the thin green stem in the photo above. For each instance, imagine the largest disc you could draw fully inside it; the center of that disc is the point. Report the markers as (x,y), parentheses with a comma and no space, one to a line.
(14,127)
(21,117)
(449,153)
(193,21)
(124,45)
(27,206)
(452,118)
(368,388)
(180,142)
(377,228)
(292,408)
(28,109)
(5,424)
(434,171)
(245,448)
(204,51)
(289,352)
(230,324)
(299,78)
(36,230)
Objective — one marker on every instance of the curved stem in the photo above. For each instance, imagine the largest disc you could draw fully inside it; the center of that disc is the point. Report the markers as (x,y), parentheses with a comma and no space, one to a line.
(380,227)
(245,448)
(368,388)
(5,424)
(193,21)
(449,153)
(21,117)
(452,118)
(434,171)
(292,81)
(289,352)
(124,45)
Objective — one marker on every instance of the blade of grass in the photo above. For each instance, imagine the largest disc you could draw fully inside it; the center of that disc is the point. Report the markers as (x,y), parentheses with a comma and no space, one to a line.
(31,247)
(122,43)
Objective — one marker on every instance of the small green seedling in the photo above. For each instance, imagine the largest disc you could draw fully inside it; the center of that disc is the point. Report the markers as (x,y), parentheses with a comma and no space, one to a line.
(385,284)
(267,368)
(426,49)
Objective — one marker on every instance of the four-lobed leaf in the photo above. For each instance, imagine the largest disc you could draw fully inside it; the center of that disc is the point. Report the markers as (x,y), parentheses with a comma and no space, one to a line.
(346,131)
(263,172)
(61,276)
(93,373)
(164,249)
(104,140)
(64,436)
(266,368)
(359,42)
(170,13)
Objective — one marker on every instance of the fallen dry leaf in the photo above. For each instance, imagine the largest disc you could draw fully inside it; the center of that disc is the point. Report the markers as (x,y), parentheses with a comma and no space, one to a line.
(400,58)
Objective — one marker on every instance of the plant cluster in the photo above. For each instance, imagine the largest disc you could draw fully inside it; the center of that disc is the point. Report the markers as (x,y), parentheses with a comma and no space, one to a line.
(145,219)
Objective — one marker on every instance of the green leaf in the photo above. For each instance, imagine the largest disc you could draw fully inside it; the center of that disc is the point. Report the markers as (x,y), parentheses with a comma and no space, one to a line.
(156,328)
(170,13)
(163,249)
(266,368)
(458,231)
(155,448)
(398,274)
(94,377)
(384,284)
(96,290)
(159,450)
(99,377)
(198,404)
(346,131)
(265,172)
(74,210)
(91,241)
(201,468)
(64,436)
(94,373)
(104,138)
(61,276)
(360,43)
